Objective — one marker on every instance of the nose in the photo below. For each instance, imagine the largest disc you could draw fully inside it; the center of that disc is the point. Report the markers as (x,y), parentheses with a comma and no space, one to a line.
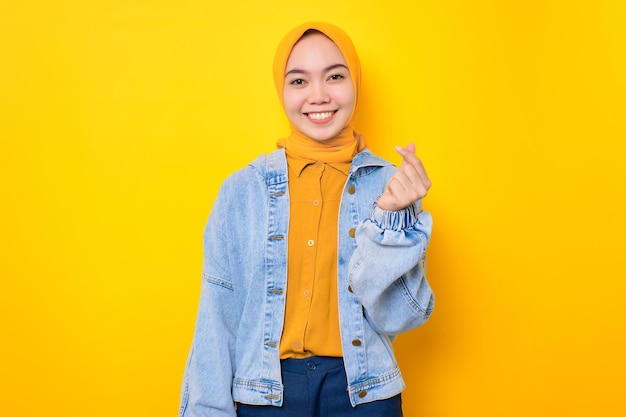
(318,94)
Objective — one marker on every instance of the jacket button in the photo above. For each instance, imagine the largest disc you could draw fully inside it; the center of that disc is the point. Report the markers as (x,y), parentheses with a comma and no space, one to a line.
(362,394)
(351,231)
(351,189)
(356,342)
(350,288)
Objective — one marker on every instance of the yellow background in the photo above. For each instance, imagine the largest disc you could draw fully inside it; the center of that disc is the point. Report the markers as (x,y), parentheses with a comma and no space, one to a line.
(119,120)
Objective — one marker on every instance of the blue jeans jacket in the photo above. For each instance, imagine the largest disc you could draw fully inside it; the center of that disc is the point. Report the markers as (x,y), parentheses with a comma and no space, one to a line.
(381,281)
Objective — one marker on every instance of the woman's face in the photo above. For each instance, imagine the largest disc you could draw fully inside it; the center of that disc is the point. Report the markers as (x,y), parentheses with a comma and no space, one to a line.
(318,94)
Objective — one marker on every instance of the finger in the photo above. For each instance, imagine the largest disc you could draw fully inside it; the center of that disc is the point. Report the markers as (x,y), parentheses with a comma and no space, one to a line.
(397,196)
(420,171)
(409,186)
(404,152)
(407,154)
(412,161)
(413,175)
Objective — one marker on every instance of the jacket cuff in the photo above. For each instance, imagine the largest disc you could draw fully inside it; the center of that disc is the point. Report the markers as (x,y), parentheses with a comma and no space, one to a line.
(396,220)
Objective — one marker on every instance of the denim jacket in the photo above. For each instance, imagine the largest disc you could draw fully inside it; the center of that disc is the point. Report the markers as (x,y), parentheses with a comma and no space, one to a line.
(382,287)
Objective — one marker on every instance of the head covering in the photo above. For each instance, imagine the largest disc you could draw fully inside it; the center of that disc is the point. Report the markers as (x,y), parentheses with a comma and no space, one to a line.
(348,142)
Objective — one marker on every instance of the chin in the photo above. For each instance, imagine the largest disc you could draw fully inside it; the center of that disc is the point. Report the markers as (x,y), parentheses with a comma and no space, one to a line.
(323,138)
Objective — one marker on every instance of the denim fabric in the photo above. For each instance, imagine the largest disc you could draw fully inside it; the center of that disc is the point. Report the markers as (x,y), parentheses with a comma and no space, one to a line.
(316,387)
(381,281)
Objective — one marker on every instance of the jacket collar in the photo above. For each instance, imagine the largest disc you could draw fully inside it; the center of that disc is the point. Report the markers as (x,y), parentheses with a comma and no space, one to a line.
(273,166)
(365,159)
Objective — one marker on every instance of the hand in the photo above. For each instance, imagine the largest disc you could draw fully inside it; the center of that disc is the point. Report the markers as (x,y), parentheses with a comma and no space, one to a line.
(409,184)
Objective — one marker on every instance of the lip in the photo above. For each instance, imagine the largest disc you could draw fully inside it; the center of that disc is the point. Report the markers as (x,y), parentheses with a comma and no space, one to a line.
(322,121)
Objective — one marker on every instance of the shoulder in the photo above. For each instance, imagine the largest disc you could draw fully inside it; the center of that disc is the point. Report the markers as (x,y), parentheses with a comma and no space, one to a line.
(366,163)
(258,174)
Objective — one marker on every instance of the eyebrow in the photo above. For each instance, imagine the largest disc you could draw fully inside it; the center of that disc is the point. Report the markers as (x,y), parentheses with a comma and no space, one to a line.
(329,68)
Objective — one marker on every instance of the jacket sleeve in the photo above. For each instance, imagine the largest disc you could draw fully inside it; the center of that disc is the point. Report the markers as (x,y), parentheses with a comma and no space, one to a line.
(208,377)
(388,267)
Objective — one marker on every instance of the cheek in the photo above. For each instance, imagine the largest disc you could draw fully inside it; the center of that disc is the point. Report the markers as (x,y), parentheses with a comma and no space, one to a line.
(345,96)
(291,101)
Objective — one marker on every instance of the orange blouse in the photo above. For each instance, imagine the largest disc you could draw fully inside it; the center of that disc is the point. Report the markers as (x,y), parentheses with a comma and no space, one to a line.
(311,313)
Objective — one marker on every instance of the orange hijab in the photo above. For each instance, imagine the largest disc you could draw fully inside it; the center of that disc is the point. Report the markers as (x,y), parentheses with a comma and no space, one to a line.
(348,142)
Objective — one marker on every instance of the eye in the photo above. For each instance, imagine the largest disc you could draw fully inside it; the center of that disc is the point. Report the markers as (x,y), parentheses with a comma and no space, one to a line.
(297,81)
(336,77)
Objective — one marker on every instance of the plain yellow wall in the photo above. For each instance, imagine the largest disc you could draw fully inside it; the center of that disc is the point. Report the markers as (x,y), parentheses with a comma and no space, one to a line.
(119,120)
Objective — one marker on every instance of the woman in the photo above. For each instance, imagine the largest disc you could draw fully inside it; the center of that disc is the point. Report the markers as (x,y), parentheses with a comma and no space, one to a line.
(314,258)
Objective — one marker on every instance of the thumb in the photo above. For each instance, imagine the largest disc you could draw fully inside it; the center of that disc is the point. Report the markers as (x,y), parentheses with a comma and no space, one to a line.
(406,152)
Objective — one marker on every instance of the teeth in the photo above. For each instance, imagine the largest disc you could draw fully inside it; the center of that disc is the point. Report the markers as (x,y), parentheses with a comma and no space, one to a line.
(320,116)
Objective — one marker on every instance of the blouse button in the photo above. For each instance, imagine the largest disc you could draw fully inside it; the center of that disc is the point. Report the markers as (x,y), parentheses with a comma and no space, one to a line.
(311,242)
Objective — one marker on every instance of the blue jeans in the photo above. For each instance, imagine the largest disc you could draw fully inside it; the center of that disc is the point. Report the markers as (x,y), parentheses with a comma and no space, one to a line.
(316,387)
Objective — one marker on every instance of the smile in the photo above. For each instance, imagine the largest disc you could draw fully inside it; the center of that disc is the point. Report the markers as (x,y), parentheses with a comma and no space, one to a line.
(320,117)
